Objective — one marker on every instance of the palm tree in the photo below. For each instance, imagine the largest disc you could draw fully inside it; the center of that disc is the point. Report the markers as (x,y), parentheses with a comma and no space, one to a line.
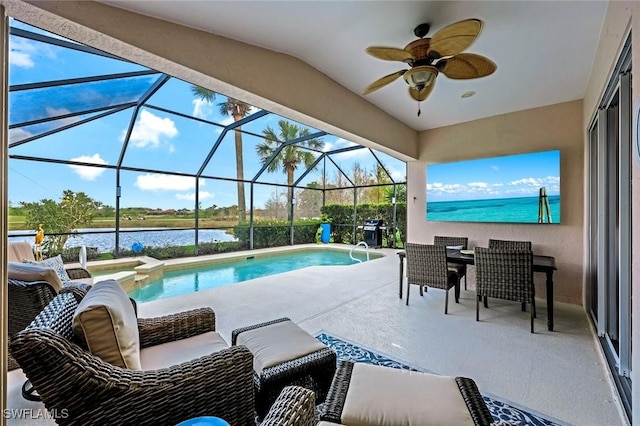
(238,110)
(290,156)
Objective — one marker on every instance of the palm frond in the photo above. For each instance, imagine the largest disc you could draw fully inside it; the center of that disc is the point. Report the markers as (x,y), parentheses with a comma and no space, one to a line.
(203,93)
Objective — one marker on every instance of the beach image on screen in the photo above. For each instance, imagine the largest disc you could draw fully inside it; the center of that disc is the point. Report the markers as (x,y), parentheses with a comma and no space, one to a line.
(521,188)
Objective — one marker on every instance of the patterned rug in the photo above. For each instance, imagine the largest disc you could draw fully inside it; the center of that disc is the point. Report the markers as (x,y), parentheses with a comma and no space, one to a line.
(503,413)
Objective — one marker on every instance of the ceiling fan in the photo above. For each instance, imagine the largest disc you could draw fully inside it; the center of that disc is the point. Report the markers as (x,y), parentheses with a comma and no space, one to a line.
(427,57)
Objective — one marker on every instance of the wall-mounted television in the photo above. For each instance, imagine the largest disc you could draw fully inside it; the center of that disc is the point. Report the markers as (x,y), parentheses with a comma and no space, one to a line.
(522,188)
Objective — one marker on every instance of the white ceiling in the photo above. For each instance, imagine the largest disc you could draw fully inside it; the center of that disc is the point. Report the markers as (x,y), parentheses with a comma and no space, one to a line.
(544,49)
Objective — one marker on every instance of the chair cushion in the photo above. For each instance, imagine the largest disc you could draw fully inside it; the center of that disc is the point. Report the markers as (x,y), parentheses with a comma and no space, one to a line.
(277,343)
(29,272)
(54,263)
(179,351)
(106,321)
(385,396)
(20,251)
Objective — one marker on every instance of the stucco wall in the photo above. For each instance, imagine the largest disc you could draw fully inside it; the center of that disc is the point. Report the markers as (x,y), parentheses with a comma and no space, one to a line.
(540,129)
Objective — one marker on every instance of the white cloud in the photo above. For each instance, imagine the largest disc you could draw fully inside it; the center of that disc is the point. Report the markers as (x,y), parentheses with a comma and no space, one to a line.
(226,121)
(87,172)
(21,59)
(22,52)
(56,112)
(495,167)
(160,182)
(201,108)
(536,182)
(18,134)
(478,185)
(191,196)
(150,129)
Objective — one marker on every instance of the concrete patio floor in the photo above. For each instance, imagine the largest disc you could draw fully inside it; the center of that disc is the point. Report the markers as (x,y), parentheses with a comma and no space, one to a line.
(560,373)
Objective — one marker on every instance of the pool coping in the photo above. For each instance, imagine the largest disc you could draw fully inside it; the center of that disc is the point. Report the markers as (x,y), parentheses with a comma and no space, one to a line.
(146,269)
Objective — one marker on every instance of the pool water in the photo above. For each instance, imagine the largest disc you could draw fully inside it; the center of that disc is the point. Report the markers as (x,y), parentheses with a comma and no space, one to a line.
(186,281)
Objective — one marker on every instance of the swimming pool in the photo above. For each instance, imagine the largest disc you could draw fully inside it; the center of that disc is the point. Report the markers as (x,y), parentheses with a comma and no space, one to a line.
(215,275)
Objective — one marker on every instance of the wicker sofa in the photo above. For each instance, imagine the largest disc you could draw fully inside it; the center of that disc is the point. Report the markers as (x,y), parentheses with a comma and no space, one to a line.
(87,390)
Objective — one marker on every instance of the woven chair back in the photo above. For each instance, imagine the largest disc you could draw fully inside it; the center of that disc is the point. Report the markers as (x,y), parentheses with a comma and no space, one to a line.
(58,315)
(504,274)
(440,240)
(510,245)
(427,265)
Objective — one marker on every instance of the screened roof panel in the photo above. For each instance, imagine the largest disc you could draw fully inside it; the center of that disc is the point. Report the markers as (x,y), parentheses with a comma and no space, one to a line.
(314,178)
(177,95)
(168,142)
(53,101)
(55,86)
(334,177)
(223,162)
(34,61)
(98,141)
(18,134)
(359,165)
(396,168)
(298,158)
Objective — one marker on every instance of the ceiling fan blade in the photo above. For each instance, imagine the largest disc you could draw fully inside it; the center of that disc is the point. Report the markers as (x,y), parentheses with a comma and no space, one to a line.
(421,95)
(381,82)
(454,38)
(389,53)
(466,66)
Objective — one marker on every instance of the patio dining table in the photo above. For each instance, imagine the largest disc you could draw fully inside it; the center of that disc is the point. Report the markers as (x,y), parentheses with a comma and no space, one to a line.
(543,264)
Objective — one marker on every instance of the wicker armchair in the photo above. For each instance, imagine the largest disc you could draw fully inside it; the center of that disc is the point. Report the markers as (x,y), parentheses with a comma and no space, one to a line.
(461,242)
(87,390)
(505,274)
(295,406)
(427,266)
(27,299)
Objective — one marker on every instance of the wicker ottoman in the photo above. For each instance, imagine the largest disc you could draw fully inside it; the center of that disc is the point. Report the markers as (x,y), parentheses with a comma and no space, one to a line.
(366,394)
(283,355)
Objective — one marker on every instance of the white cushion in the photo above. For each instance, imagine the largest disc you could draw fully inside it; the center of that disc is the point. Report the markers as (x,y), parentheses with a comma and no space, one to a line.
(106,321)
(29,272)
(277,343)
(54,263)
(384,396)
(179,351)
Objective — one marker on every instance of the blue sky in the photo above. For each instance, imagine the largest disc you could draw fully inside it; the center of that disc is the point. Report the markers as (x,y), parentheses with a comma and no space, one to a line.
(498,177)
(159,140)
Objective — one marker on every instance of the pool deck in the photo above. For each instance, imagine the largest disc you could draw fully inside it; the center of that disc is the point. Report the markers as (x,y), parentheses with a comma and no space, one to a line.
(560,373)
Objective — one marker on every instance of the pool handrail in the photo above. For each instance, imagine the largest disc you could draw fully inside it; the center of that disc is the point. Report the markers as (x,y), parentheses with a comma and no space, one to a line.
(366,246)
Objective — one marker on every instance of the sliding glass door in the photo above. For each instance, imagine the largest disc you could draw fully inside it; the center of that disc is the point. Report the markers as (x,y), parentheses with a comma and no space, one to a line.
(610,220)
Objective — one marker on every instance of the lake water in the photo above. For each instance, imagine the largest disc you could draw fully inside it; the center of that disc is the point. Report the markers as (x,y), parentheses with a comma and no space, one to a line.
(106,242)
(517,210)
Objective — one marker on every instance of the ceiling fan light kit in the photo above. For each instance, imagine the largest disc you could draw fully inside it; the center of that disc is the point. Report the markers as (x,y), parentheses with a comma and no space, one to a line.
(428,57)
(421,77)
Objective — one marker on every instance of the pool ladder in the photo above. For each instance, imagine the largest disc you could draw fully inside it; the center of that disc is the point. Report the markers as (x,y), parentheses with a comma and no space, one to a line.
(361,243)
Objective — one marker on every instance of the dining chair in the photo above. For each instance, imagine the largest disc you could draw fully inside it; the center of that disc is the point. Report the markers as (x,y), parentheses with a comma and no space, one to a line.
(509,244)
(427,266)
(460,243)
(505,274)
